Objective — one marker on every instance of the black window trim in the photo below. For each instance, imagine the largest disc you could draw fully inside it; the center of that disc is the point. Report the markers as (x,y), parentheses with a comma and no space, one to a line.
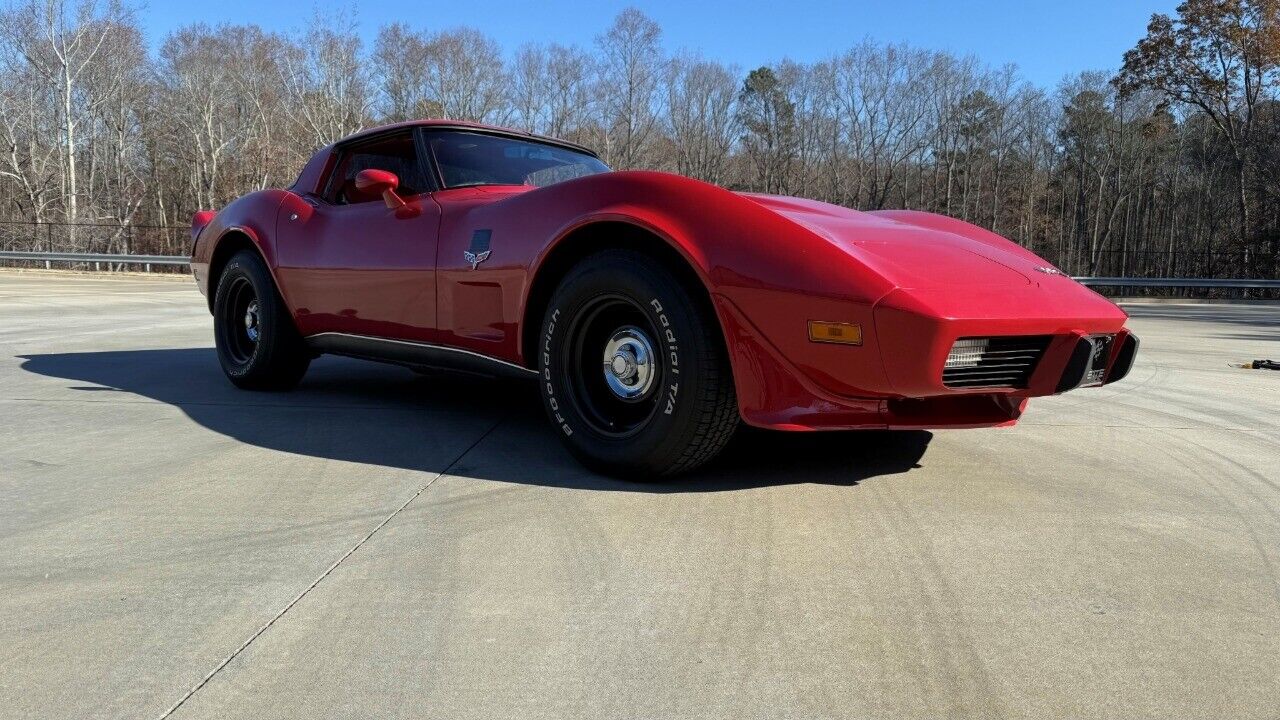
(509,133)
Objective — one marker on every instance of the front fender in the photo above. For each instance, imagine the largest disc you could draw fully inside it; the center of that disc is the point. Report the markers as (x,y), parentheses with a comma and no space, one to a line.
(776,273)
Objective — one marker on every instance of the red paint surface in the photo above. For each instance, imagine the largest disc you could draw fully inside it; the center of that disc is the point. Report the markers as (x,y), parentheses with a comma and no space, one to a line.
(915,282)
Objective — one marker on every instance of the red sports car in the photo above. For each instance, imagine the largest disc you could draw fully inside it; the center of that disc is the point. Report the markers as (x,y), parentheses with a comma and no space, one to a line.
(655,312)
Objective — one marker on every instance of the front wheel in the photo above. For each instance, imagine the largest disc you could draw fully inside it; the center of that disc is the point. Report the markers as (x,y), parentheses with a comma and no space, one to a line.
(258,346)
(634,373)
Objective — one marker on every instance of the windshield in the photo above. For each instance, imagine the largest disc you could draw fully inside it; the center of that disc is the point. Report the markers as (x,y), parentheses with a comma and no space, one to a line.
(466,159)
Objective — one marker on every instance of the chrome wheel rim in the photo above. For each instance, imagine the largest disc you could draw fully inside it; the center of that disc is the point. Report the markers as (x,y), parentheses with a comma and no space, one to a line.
(240,322)
(251,321)
(612,370)
(629,363)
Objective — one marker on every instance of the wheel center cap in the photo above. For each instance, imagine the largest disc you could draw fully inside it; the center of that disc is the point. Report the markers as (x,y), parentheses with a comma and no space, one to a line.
(251,321)
(623,366)
(629,367)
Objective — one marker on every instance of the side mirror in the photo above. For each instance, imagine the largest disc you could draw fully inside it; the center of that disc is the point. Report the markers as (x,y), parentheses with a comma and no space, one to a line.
(381,182)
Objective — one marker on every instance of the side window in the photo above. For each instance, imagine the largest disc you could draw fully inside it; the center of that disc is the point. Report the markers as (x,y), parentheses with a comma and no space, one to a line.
(467,158)
(393,153)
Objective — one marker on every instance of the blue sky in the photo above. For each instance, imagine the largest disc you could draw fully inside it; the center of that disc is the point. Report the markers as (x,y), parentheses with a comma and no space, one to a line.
(1046,40)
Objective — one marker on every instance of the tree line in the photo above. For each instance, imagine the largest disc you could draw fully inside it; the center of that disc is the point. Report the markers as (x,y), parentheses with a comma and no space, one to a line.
(1168,166)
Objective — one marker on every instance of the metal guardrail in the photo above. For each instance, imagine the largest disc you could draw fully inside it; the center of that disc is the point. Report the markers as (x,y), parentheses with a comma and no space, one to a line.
(95,258)
(1259,284)
(1177,282)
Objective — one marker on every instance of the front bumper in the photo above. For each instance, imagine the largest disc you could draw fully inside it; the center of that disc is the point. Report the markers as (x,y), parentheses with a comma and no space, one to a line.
(917,330)
(783,384)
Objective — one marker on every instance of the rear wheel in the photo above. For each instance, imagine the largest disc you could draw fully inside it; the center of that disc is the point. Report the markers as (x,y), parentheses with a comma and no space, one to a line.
(633,371)
(258,346)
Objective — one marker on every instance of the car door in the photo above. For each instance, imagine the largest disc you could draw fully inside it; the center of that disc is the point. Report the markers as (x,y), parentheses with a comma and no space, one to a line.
(350,264)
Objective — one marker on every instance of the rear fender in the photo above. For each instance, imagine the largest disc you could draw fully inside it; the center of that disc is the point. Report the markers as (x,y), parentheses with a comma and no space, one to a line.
(252,216)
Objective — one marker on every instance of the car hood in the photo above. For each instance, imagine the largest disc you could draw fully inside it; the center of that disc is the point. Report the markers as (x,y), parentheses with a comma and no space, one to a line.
(912,250)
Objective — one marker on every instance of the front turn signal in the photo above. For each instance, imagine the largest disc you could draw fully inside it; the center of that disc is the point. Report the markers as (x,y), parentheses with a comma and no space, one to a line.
(833,332)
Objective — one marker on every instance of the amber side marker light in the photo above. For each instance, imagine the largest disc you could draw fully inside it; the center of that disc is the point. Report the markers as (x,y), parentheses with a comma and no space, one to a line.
(833,332)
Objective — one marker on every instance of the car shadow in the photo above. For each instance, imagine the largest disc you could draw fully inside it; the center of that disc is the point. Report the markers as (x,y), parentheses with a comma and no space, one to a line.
(380,415)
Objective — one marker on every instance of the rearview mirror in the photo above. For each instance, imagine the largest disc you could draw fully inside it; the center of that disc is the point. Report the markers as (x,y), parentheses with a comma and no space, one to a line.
(381,182)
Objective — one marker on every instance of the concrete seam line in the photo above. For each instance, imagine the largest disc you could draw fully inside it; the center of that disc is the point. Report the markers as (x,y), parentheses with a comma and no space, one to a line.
(227,661)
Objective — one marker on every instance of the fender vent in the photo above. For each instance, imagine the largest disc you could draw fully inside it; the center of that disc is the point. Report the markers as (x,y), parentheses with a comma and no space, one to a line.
(998,362)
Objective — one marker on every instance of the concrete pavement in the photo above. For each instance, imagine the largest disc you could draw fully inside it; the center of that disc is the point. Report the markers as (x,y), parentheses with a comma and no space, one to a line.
(376,544)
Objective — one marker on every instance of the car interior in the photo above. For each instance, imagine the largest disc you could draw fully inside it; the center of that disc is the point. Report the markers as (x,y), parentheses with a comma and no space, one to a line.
(395,153)
(464,158)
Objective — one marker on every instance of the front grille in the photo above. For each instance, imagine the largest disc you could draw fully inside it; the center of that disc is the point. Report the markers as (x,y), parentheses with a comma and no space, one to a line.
(998,362)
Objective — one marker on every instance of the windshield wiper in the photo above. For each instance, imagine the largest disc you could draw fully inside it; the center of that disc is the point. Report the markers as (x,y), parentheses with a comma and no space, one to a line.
(475,183)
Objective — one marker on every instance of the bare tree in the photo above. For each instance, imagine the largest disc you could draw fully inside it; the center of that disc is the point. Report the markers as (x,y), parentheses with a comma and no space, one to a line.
(60,43)
(701,116)
(31,160)
(629,74)
(328,82)
(400,56)
(885,101)
(551,90)
(465,78)
(204,119)
(568,90)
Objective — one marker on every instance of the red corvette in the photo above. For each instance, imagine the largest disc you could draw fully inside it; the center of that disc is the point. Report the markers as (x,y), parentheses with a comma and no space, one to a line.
(655,311)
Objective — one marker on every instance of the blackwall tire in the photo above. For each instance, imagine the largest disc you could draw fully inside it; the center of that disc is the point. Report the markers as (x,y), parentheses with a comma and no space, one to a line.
(633,370)
(258,345)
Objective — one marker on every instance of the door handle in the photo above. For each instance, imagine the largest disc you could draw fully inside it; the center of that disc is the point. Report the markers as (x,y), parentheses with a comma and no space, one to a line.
(315,205)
